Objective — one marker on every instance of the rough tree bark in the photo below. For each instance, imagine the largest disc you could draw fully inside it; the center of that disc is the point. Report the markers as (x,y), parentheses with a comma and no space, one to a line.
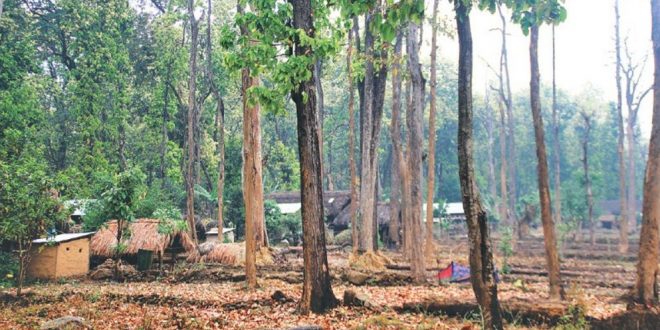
(351,145)
(317,293)
(192,65)
(555,129)
(647,267)
(397,152)
(429,247)
(585,166)
(623,216)
(481,258)
(367,175)
(372,98)
(252,170)
(405,184)
(219,134)
(549,236)
(414,161)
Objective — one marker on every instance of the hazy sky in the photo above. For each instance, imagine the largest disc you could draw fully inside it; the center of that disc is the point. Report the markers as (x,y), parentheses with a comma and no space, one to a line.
(585,48)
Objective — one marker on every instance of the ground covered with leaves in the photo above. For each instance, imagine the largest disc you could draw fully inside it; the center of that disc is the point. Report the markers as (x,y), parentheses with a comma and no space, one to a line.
(214,297)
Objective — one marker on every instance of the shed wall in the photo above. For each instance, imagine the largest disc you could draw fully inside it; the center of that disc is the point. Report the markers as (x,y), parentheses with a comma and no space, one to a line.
(73,258)
(43,262)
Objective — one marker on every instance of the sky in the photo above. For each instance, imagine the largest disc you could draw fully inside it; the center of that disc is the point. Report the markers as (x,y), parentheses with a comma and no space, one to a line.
(585,48)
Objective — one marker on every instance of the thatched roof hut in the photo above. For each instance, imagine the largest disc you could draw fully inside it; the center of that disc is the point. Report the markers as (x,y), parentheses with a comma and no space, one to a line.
(143,235)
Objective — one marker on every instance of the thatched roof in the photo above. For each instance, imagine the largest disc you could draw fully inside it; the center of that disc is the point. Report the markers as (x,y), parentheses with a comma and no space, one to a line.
(143,235)
(344,218)
(228,254)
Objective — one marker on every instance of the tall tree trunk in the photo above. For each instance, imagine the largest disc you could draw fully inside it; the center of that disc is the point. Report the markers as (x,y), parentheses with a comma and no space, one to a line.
(490,132)
(192,64)
(371,111)
(252,175)
(219,134)
(632,187)
(351,144)
(585,165)
(649,240)
(552,257)
(505,94)
(397,153)
(165,117)
(414,162)
(555,127)
(623,199)
(429,248)
(481,257)
(317,293)
(250,170)
(405,183)
(504,213)
(367,177)
(320,105)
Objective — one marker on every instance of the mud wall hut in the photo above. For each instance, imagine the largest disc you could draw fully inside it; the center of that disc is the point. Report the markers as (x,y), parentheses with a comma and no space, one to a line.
(60,256)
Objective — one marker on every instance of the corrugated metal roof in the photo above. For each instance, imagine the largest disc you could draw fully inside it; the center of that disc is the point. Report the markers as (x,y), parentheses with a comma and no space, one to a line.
(214,231)
(455,208)
(289,208)
(63,238)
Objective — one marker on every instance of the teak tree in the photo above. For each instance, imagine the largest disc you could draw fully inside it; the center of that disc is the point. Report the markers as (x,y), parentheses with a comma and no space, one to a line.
(381,23)
(414,118)
(294,25)
(317,293)
(555,131)
(429,247)
(191,119)
(634,96)
(397,152)
(481,257)
(530,15)
(587,127)
(506,98)
(351,145)
(219,132)
(623,199)
(649,241)
(252,165)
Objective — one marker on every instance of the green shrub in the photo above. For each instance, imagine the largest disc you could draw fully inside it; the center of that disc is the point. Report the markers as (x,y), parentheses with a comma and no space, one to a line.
(8,269)
(171,220)
(282,226)
(506,248)
(344,238)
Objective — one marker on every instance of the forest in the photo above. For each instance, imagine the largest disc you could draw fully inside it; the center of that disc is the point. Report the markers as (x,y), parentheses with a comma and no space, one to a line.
(329,164)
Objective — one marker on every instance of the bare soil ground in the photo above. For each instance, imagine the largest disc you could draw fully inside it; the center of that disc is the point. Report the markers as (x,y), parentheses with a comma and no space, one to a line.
(597,281)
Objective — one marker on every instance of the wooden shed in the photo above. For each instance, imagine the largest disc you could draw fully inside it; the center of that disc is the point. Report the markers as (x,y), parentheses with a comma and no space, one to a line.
(59,256)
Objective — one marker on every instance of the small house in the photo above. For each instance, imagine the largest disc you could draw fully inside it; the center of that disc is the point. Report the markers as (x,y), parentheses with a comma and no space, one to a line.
(59,256)
(227,235)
